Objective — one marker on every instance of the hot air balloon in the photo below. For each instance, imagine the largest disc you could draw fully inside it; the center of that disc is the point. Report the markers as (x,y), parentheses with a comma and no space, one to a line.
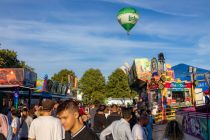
(127,17)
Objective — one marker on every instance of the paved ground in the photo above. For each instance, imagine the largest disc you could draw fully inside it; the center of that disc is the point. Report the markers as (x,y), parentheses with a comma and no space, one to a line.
(158,131)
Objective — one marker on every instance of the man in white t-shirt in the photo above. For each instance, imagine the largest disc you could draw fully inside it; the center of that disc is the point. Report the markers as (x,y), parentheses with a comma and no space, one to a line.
(46,127)
(139,131)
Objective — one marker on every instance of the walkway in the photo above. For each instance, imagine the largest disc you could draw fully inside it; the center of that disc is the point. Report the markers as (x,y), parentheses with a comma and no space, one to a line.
(158,131)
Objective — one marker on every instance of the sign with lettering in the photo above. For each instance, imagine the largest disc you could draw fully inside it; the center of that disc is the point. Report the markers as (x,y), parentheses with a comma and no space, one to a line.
(177,85)
(202,85)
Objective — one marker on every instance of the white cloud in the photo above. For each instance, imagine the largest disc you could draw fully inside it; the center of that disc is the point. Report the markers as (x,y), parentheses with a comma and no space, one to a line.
(204,46)
(192,8)
(74,35)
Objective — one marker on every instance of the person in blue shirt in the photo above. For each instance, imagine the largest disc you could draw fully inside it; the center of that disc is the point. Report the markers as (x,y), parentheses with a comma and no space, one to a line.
(207,99)
(149,125)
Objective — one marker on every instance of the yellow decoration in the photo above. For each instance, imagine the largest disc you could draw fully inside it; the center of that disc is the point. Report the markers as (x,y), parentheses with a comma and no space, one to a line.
(168,66)
(178,80)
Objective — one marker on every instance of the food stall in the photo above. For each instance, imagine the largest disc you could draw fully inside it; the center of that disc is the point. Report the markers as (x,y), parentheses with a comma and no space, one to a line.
(16,86)
(166,95)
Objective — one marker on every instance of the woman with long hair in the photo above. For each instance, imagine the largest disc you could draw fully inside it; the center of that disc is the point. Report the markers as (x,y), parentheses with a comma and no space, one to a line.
(173,131)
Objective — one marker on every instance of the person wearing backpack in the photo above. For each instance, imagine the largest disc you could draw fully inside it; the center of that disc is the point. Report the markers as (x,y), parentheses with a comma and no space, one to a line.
(25,122)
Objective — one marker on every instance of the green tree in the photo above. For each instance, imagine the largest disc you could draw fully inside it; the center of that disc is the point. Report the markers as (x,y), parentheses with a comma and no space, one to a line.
(92,84)
(8,59)
(62,76)
(118,87)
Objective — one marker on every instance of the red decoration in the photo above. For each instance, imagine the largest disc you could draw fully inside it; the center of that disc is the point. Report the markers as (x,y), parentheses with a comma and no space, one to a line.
(173,101)
(153,85)
(188,85)
(167,85)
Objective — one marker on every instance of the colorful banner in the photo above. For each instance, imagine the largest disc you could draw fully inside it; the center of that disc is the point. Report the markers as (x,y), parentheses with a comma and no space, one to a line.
(45,83)
(39,85)
(142,69)
(154,67)
(51,87)
(196,126)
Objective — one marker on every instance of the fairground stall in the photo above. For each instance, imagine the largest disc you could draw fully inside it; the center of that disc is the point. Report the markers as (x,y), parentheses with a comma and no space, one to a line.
(48,89)
(165,94)
(170,97)
(16,87)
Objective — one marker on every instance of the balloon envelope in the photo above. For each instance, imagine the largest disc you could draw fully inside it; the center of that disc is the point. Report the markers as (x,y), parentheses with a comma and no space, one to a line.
(127,17)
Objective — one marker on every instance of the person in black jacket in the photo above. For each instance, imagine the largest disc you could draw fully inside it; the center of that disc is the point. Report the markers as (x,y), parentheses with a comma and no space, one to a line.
(100,119)
(114,115)
(68,112)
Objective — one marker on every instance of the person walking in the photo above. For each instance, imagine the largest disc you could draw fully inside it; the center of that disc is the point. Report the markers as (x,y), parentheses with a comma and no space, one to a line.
(139,131)
(55,109)
(150,124)
(114,115)
(100,119)
(120,129)
(207,100)
(25,123)
(93,110)
(46,127)
(15,124)
(68,112)
(133,120)
(10,132)
(173,131)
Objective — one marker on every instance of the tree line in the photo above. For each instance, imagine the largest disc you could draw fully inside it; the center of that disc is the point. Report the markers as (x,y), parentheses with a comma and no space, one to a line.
(96,89)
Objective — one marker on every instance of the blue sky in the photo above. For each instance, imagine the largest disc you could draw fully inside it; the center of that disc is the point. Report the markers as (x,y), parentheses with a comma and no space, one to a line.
(79,34)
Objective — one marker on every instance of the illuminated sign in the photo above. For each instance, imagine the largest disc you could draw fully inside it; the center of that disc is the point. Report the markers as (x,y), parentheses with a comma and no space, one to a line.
(176,85)
(18,77)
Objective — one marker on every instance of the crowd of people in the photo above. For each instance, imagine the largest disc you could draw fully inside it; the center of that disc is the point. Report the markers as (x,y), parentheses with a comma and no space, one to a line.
(70,120)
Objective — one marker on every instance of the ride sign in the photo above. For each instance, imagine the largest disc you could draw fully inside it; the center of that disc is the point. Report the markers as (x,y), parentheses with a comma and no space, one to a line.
(177,85)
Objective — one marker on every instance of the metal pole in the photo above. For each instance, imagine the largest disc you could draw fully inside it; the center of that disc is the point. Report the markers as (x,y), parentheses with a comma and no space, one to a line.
(192,87)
